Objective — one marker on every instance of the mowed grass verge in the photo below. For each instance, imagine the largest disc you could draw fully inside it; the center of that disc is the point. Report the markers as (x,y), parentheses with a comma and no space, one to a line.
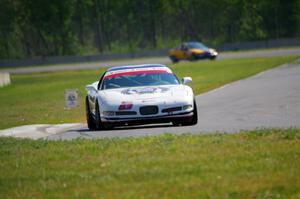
(39,98)
(255,164)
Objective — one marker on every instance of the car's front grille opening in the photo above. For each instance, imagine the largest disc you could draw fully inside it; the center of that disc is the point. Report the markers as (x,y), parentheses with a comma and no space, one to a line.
(148,110)
(126,113)
(168,110)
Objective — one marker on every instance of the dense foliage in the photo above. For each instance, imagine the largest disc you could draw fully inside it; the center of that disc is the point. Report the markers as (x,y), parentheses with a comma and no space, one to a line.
(54,27)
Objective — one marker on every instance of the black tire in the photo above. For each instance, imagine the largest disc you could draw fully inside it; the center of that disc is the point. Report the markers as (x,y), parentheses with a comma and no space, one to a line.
(173,59)
(193,121)
(89,117)
(213,58)
(195,116)
(194,58)
(99,123)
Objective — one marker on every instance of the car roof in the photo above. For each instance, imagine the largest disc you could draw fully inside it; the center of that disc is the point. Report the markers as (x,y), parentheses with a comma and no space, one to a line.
(126,67)
(194,42)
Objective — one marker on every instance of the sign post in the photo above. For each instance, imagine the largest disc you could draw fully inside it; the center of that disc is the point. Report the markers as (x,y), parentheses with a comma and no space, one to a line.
(71,98)
(4,79)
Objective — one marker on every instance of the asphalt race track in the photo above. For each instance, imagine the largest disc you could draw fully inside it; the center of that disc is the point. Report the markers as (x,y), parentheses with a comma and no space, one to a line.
(268,100)
(160,60)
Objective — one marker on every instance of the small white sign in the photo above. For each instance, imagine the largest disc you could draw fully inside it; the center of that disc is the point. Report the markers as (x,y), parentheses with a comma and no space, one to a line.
(4,79)
(71,98)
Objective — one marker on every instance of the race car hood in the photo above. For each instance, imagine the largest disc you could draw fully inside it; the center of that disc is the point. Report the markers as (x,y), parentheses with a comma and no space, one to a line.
(202,51)
(197,51)
(147,94)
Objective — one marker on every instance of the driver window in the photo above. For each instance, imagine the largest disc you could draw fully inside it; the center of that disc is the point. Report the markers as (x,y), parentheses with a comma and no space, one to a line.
(184,47)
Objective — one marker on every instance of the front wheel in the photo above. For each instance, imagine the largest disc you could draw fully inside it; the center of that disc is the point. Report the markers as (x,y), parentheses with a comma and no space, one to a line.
(99,124)
(173,59)
(192,121)
(194,58)
(213,58)
(89,117)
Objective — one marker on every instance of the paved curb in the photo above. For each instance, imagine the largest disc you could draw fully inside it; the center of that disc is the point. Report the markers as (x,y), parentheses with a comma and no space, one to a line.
(38,131)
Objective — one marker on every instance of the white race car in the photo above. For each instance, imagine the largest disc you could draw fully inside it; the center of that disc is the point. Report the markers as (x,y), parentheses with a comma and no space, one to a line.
(139,94)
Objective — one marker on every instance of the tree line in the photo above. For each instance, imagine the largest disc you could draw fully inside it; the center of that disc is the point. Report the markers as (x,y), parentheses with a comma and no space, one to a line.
(36,28)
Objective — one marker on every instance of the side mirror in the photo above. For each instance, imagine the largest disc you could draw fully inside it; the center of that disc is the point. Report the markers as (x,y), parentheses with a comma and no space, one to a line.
(186,80)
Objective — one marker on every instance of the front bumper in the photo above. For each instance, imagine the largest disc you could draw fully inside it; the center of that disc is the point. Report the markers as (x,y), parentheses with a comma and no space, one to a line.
(187,116)
(205,55)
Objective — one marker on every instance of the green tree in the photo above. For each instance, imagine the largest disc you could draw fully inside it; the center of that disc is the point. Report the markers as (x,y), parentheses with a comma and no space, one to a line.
(251,22)
(49,21)
(34,28)
(7,28)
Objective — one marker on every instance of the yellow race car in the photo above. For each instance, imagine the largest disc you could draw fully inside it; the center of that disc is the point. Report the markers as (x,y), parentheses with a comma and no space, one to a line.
(192,51)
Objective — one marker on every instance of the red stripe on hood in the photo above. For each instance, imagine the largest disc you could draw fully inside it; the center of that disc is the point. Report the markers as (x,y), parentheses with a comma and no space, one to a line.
(136,72)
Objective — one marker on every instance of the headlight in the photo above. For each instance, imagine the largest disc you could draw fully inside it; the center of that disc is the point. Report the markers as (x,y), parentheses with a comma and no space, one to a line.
(187,107)
(108,113)
(213,52)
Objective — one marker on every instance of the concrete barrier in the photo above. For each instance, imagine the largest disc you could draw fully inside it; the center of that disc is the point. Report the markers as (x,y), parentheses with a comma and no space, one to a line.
(78,59)
(271,43)
(4,79)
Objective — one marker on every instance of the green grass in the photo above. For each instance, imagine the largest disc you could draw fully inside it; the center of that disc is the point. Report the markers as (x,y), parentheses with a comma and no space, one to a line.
(256,164)
(39,98)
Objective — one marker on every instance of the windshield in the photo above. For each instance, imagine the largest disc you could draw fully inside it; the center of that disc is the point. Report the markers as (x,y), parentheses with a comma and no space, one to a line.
(197,45)
(144,79)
